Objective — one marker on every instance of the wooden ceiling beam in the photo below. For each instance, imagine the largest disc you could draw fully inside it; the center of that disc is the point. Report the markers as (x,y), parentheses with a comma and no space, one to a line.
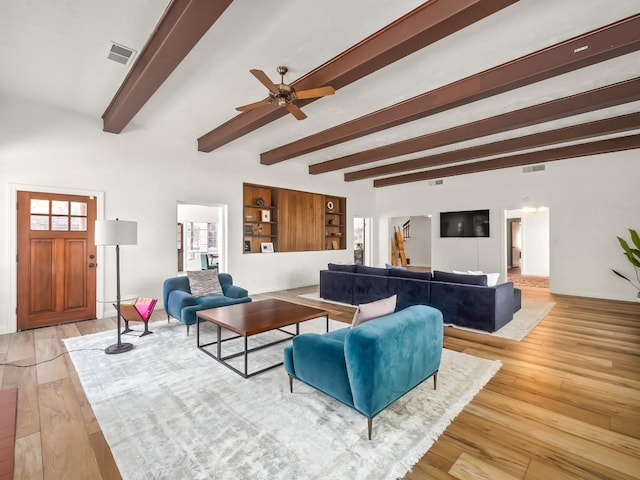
(603,97)
(182,25)
(602,44)
(561,153)
(421,27)
(596,128)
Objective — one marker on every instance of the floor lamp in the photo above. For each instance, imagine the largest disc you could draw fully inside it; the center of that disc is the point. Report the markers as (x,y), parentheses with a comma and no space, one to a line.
(117,232)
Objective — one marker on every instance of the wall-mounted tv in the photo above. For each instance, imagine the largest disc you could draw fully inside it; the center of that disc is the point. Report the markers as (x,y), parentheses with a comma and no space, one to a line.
(471,223)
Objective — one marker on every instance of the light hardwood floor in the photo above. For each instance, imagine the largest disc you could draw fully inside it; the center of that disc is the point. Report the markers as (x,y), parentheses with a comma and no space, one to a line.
(564,405)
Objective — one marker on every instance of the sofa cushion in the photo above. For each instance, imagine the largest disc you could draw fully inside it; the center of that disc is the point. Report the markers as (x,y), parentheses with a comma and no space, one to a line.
(388,265)
(410,291)
(404,273)
(337,267)
(204,282)
(369,311)
(480,280)
(337,286)
(372,270)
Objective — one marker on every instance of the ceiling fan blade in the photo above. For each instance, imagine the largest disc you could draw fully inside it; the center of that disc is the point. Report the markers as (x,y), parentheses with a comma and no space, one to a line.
(315,92)
(266,81)
(296,112)
(251,106)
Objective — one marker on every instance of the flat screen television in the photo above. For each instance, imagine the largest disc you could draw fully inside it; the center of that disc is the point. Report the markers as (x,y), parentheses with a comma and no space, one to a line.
(470,223)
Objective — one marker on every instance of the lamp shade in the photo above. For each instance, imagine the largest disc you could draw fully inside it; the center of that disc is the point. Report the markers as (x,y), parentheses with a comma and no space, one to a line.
(116,232)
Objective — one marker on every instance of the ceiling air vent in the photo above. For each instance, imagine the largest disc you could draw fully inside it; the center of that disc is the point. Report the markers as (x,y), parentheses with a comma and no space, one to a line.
(435,182)
(533,168)
(121,54)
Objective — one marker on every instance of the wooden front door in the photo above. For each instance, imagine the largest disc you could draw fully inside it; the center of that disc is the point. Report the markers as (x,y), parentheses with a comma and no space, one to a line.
(56,264)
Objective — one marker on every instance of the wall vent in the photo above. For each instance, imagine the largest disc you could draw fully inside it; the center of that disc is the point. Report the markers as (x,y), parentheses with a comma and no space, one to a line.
(533,168)
(435,182)
(121,54)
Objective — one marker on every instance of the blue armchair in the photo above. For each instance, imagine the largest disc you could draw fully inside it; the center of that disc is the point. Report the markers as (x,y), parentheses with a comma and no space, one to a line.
(370,366)
(181,304)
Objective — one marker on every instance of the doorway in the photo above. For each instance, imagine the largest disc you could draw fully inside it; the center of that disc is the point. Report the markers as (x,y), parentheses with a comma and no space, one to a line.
(514,242)
(361,241)
(56,258)
(202,231)
(416,237)
(527,247)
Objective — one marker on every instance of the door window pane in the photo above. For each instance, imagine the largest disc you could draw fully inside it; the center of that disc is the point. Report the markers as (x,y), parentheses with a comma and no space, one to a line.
(59,208)
(78,224)
(59,223)
(79,208)
(39,222)
(39,206)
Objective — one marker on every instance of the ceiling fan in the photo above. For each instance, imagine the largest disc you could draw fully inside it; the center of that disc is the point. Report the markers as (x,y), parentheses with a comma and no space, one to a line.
(285,95)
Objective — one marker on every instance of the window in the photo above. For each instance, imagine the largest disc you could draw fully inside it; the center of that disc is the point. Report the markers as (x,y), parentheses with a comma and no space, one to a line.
(201,238)
(58,215)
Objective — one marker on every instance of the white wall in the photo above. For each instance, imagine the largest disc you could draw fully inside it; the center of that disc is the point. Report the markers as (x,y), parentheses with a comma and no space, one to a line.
(591,201)
(143,175)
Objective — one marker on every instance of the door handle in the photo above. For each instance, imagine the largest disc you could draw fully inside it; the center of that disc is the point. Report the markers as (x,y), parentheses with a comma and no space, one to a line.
(92,265)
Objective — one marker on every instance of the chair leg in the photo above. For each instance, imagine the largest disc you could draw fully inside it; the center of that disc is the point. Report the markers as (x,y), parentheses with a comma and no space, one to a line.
(290,384)
(435,380)
(168,317)
(187,330)
(369,426)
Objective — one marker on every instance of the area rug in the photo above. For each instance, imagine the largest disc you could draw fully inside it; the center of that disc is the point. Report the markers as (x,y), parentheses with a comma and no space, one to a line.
(524,320)
(168,411)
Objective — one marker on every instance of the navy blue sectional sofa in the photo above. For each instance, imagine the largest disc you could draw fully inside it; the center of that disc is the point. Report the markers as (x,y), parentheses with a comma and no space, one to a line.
(464,300)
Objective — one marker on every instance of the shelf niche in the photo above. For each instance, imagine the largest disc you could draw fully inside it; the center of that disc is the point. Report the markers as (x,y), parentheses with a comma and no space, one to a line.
(335,222)
(298,221)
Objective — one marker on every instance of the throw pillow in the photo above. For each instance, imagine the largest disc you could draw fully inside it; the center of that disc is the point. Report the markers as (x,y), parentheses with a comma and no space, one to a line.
(369,311)
(492,278)
(480,280)
(399,267)
(204,282)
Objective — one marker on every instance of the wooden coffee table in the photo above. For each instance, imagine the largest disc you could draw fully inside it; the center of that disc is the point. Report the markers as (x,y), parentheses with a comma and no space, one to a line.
(247,319)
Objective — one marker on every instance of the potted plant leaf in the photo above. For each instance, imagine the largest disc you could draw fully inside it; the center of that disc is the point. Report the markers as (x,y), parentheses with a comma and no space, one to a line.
(632,252)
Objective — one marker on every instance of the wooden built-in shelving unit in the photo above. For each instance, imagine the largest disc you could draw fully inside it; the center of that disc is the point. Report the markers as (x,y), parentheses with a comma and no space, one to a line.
(291,220)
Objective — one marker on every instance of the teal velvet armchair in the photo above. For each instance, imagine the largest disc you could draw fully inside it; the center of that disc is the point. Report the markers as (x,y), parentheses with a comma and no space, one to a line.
(181,304)
(370,366)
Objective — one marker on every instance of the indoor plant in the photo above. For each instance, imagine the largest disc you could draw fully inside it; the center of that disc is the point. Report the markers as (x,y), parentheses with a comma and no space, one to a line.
(633,254)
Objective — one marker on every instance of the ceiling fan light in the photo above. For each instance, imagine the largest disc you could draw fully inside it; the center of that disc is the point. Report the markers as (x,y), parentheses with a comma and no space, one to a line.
(282,101)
